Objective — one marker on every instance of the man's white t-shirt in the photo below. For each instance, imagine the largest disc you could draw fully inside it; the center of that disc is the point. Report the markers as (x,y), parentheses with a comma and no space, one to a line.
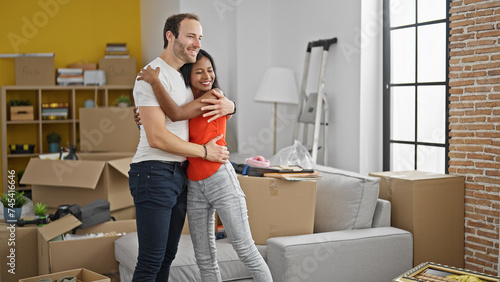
(143,96)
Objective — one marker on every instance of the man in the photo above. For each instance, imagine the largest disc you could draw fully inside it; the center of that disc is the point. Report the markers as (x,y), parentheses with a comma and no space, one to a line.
(157,174)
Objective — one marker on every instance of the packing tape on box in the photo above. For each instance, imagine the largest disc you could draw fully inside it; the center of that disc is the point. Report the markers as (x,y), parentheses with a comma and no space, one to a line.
(273,187)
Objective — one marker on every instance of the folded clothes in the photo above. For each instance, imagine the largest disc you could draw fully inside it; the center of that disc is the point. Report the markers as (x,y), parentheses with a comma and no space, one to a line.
(67,279)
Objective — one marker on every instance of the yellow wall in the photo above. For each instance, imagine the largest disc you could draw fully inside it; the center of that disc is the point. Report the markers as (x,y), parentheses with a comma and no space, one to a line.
(74,30)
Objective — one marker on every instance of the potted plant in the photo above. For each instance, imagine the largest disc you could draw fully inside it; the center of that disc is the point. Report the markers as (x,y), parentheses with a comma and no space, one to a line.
(40,210)
(53,139)
(123,101)
(13,203)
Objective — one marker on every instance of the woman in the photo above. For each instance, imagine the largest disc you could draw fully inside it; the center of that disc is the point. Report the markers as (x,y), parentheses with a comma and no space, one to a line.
(211,186)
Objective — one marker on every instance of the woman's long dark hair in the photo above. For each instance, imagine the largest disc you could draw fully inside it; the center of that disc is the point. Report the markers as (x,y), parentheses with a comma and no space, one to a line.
(186,69)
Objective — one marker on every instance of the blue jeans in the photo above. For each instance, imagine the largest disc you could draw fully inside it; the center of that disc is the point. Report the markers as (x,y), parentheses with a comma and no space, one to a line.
(222,192)
(159,192)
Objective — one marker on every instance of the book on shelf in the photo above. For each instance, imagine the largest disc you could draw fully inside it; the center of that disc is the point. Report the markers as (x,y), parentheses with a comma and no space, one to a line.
(69,71)
(116,50)
(68,76)
(65,81)
(55,110)
(116,47)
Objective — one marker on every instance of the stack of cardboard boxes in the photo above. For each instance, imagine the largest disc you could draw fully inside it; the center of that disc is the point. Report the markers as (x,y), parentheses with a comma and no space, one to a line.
(39,69)
(108,140)
(100,173)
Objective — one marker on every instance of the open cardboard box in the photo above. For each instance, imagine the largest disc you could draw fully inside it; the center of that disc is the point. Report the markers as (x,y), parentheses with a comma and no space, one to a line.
(81,274)
(278,207)
(95,254)
(94,176)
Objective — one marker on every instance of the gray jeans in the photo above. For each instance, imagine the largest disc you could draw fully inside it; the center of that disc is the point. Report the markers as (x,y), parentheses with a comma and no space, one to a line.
(222,192)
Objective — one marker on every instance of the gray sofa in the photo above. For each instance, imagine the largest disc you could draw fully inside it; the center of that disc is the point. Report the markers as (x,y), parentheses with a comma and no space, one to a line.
(352,241)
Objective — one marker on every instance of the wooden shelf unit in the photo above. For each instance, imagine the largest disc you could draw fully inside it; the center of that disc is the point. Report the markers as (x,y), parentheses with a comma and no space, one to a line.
(35,131)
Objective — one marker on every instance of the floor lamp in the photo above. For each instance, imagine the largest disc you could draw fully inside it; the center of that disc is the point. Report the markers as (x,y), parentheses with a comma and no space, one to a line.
(277,86)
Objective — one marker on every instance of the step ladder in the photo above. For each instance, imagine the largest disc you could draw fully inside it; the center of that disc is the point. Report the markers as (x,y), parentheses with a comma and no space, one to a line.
(314,106)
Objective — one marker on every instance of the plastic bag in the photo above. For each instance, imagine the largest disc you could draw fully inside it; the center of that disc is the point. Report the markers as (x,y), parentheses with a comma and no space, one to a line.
(296,154)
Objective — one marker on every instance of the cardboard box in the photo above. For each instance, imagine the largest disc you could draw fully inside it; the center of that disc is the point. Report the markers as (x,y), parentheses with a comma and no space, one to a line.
(119,71)
(23,241)
(124,214)
(432,207)
(95,254)
(100,128)
(278,207)
(94,176)
(21,113)
(81,274)
(35,71)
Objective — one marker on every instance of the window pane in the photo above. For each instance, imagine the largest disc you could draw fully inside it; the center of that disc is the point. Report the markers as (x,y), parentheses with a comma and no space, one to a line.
(402,12)
(431,10)
(402,157)
(403,113)
(431,159)
(403,55)
(431,53)
(431,114)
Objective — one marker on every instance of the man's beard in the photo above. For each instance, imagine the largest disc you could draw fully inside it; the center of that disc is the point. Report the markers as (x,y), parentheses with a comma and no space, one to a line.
(181,52)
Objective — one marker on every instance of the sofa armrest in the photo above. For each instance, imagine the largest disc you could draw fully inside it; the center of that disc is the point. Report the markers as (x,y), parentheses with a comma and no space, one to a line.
(382,215)
(373,254)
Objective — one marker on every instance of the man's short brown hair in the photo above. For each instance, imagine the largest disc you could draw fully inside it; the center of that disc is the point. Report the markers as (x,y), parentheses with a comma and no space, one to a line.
(173,23)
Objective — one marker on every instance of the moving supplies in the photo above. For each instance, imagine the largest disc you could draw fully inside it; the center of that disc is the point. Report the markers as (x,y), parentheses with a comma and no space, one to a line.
(119,71)
(278,207)
(94,176)
(96,254)
(18,247)
(431,207)
(35,70)
(100,128)
(81,274)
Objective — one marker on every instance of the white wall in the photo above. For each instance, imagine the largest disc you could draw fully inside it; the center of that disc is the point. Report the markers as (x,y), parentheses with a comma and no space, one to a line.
(371,87)
(154,13)
(246,37)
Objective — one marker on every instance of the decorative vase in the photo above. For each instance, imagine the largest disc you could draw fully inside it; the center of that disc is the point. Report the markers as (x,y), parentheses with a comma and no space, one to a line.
(53,147)
(11,215)
(89,103)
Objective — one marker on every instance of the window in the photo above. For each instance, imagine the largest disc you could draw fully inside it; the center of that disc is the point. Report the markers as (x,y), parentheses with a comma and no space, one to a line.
(416,85)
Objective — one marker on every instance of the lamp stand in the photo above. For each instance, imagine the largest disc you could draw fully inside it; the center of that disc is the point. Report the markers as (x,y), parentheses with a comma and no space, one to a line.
(275,122)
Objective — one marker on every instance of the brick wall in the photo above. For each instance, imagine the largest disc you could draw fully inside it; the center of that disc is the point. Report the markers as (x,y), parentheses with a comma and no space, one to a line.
(475,124)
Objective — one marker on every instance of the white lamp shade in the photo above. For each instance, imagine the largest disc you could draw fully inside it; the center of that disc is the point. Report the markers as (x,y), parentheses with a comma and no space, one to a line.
(278,85)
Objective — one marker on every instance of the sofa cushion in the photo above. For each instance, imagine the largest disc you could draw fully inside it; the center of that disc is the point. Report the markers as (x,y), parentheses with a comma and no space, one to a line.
(184,266)
(345,200)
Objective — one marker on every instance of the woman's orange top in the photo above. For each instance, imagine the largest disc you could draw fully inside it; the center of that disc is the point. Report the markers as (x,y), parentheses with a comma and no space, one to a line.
(200,132)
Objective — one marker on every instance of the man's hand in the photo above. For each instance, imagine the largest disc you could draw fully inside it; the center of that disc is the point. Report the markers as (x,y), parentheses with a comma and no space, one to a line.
(137,117)
(219,107)
(216,153)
